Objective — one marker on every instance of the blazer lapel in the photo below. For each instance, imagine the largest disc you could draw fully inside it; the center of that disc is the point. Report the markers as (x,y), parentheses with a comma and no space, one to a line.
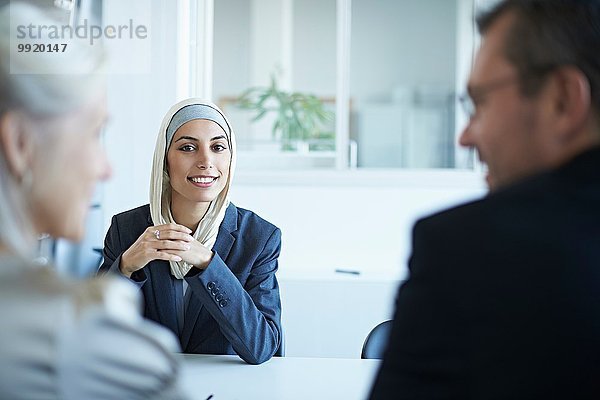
(225,238)
(222,247)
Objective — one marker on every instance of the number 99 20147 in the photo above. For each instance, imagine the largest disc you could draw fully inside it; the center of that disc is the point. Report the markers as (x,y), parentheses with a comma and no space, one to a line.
(41,48)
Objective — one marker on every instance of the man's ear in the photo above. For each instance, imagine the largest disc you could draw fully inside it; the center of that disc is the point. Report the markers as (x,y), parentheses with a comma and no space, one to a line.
(15,143)
(571,102)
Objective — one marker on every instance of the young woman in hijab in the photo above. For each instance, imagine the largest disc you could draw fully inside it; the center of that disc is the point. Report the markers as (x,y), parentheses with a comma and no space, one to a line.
(206,268)
(62,339)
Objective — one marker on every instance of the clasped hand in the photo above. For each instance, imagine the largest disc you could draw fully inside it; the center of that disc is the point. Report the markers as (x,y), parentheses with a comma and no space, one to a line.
(170,242)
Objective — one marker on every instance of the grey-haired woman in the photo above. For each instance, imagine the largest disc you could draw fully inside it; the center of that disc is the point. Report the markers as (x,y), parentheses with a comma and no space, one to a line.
(62,339)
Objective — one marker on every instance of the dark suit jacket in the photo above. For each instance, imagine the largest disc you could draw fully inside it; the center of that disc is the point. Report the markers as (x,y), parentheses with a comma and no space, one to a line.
(234,307)
(503,299)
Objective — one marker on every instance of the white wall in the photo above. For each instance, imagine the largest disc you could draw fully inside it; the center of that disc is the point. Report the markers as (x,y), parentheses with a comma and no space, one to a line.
(314,47)
(401,42)
(137,104)
(356,220)
(394,42)
(232,47)
(330,315)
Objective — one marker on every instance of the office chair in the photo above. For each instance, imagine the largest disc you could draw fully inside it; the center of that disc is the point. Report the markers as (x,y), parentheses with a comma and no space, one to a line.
(376,341)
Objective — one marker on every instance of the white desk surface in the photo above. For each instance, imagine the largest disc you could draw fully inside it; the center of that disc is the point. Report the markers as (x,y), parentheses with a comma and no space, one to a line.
(281,378)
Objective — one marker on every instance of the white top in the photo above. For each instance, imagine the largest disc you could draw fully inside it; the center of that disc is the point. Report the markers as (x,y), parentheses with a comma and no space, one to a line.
(281,378)
(79,340)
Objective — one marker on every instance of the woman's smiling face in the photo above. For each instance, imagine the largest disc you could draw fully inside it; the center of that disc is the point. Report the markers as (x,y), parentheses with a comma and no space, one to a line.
(198,161)
(67,164)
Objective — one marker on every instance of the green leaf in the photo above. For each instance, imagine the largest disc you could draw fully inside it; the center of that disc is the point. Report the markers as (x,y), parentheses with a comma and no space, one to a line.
(259,115)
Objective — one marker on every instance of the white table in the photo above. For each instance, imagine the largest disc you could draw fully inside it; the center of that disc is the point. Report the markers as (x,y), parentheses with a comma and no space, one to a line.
(281,378)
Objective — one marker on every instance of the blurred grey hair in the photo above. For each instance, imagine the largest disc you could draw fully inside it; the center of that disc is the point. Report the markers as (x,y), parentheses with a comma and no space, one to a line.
(53,94)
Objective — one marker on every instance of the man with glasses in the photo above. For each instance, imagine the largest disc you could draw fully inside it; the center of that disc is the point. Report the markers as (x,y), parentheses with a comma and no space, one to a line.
(503,299)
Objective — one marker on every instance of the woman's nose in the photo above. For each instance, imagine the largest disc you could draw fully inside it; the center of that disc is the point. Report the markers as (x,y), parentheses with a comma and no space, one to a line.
(106,170)
(204,161)
(204,165)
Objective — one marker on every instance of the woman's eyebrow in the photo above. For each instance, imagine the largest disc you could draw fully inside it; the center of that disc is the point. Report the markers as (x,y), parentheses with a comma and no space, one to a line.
(195,139)
(187,138)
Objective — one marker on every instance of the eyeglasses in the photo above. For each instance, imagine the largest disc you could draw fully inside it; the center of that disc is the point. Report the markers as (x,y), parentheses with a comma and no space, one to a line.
(468,101)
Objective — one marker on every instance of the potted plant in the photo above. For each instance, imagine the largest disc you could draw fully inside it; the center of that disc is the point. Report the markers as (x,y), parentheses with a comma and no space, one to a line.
(300,119)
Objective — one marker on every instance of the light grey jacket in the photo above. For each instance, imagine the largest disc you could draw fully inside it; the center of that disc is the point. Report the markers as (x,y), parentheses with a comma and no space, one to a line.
(61,339)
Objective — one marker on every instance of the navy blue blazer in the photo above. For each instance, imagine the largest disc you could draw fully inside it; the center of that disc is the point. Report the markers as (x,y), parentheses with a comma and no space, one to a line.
(503,299)
(234,307)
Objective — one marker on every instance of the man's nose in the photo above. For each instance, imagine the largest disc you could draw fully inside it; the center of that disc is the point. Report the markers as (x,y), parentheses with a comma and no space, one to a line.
(465,139)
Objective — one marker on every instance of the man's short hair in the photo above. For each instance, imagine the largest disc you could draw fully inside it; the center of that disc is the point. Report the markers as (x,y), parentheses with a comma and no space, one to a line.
(547,34)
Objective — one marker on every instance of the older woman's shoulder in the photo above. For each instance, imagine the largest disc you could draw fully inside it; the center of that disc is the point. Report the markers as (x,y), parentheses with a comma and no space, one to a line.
(41,287)
(94,327)
(44,287)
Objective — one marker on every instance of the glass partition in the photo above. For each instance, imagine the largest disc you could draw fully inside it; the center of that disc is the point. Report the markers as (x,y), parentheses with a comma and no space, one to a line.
(276,66)
(274,76)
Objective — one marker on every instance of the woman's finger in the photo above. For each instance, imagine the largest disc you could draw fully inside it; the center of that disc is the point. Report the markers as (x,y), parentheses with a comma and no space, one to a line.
(173,227)
(170,245)
(175,235)
(161,255)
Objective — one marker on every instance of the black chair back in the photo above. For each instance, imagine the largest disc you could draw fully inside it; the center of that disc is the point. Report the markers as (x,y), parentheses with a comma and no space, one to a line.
(376,341)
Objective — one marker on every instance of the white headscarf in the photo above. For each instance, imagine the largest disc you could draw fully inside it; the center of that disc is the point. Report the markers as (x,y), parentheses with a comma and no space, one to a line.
(160,187)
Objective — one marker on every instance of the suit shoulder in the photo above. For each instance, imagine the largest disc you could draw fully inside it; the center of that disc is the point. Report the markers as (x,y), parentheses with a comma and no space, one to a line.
(250,220)
(141,212)
(457,214)
(495,211)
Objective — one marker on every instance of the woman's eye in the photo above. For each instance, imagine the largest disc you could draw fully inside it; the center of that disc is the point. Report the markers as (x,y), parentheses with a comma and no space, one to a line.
(219,147)
(187,147)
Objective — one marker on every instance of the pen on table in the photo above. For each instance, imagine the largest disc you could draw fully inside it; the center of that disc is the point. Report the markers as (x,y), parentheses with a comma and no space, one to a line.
(209,397)
(347,271)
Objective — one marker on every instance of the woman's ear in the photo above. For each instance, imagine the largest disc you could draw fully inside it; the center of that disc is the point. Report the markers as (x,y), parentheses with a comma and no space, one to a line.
(16,143)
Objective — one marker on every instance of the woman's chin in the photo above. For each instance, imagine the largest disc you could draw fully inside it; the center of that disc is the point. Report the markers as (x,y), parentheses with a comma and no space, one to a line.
(72,235)
(70,230)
